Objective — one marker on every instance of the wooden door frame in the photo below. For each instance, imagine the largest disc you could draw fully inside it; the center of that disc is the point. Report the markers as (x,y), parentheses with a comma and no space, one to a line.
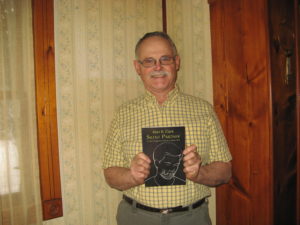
(297,50)
(43,35)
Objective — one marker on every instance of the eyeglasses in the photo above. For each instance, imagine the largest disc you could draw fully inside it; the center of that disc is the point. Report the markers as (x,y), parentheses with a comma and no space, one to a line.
(151,62)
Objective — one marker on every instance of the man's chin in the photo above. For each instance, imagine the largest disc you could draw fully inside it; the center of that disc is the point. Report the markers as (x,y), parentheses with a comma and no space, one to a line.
(157,87)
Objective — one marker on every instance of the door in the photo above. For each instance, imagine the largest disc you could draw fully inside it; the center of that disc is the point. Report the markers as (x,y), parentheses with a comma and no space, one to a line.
(241,77)
(255,50)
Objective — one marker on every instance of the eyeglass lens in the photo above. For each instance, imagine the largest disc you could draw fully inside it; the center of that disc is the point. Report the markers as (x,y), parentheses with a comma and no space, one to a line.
(164,60)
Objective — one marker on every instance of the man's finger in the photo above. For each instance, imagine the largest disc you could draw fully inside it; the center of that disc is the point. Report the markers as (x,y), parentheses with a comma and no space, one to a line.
(144,157)
(191,148)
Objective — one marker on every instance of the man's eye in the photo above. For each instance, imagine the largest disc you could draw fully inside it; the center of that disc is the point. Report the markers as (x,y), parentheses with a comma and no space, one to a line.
(148,61)
(165,59)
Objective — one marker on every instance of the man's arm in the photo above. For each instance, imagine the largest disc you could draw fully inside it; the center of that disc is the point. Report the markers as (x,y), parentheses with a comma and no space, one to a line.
(212,175)
(122,178)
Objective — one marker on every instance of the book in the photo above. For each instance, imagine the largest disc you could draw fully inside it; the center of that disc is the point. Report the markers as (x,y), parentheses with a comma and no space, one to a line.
(164,146)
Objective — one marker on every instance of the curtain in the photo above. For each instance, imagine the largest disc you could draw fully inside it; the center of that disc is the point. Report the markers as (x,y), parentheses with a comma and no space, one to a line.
(19,178)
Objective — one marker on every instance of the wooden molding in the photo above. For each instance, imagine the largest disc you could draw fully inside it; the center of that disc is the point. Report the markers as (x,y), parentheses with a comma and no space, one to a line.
(43,33)
(211,1)
(164,15)
(297,56)
(52,208)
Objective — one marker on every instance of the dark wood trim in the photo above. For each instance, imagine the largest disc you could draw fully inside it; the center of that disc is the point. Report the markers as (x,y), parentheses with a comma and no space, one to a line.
(164,15)
(297,50)
(211,1)
(43,33)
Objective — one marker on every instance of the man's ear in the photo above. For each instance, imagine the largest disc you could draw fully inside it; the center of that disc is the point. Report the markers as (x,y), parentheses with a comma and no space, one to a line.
(137,66)
(177,62)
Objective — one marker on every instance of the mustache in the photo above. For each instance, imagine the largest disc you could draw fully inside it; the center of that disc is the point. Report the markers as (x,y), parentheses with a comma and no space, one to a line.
(159,73)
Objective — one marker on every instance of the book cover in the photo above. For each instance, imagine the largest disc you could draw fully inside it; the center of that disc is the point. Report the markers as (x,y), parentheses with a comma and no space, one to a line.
(164,146)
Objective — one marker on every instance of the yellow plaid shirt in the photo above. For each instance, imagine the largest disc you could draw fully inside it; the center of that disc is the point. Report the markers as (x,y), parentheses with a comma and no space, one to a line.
(202,128)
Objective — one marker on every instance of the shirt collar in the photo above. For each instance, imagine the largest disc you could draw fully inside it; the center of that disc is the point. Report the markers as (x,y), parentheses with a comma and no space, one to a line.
(150,98)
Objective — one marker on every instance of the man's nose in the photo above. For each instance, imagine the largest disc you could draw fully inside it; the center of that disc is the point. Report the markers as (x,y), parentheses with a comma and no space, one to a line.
(157,65)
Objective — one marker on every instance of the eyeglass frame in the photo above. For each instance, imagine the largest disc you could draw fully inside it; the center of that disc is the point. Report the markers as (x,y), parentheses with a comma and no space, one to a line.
(155,61)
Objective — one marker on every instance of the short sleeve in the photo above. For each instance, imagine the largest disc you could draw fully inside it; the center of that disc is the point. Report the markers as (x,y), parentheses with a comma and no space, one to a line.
(219,150)
(113,155)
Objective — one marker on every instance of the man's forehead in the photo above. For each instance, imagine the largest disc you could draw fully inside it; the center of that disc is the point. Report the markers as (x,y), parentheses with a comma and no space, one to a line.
(154,45)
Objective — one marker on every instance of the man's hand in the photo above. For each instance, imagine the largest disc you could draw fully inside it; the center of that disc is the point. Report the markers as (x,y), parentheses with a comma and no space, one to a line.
(191,163)
(140,168)
(125,178)
(212,175)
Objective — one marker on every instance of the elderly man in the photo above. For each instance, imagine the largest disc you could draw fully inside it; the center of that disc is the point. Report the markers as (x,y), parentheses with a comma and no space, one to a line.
(206,160)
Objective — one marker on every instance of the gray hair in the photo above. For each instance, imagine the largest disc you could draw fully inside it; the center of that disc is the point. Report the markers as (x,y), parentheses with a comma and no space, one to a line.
(156,34)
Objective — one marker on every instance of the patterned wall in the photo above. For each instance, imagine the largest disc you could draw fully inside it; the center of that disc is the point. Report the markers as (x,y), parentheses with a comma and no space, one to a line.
(95,42)
(188,23)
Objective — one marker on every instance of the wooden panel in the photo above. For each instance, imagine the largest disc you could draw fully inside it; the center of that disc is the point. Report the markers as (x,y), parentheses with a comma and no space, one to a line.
(46,108)
(242,101)
(164,14)
(297,59)
(283,68)
(256,50)
(225,53)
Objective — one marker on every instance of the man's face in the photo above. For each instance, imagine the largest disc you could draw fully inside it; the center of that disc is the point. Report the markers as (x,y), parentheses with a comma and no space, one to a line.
(168,166)
(157,47)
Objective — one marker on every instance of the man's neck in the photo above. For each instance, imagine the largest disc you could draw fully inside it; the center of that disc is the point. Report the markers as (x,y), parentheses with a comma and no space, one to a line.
(161,97)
